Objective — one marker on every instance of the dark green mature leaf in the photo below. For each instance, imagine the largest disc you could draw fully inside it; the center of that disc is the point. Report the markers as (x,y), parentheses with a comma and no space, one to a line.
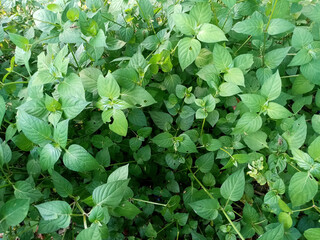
(248,123)
(274,58)
(24,190)
(302,188)
(233,187)
(13,212)
(110,194)
(271,88)
(49,156)
(206,208)
(275,233)
(188,50)
(297,134)
(62,185)
(251,26)
(35,129)
(78,159)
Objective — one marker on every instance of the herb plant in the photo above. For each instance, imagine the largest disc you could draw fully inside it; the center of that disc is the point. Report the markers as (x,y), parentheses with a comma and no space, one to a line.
(160,119)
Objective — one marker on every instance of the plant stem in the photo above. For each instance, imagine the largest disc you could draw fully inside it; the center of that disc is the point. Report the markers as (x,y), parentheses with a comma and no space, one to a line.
(145,201)
(74,57)
(304,209)
(210,195)
(164,227)
(266,30)
(83,214)
(234,227)
(203,122)
(245,42)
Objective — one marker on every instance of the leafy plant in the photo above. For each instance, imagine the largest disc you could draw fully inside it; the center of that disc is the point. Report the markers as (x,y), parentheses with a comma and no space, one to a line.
(145,119)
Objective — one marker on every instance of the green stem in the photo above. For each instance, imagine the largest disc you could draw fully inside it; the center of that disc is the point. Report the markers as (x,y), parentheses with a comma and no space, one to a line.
(202,186)
(74,57)
(304,209)
(121,163)
(210,195)
(266,30)
(169,224)
(245,42)
(234,227)
(145,201)
(202,126)
(12,83)
(83,214)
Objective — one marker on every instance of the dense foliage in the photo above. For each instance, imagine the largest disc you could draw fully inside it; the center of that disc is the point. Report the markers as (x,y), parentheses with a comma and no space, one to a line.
(167,119)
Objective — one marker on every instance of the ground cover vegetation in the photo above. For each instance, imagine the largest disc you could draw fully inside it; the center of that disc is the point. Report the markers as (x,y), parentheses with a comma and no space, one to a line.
(167,119)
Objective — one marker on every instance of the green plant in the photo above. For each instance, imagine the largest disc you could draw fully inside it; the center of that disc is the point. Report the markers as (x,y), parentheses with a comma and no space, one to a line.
(144,119)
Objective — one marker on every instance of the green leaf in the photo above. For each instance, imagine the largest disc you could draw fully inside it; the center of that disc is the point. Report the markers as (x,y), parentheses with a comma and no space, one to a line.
(24,190)
(161,120)
(256,141)
(303,159)
(201,11)
(234,75)
(19,41)
(250,215)
(276,111)
(145,9)
(228,89)
(62,185)
(233,187)
(120,173)
(302,188)
(253,101)
(285,219)
(60,134)
(127,209)
(301,38)
(150,232)
(248,123)
(276,233)
(303,57)
(278,26)
(44,20)
(222,58)
(243,61)
(138,96)
(89,77)
(314,149)
(49,156)
(14,212)
(251,26)
(164,140)
(206,208)
(185,23)
(186,145)
(271,88)
(91,233)
(110,194)
(78,159)
(34,128)
(56,210)
(188,50)
(108,87)
(312,234)
(315,120)
(205,162)
(72,106)
(210,33)
(297,134)
(311,71)
(119,123)
(301,85)
(274,58)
